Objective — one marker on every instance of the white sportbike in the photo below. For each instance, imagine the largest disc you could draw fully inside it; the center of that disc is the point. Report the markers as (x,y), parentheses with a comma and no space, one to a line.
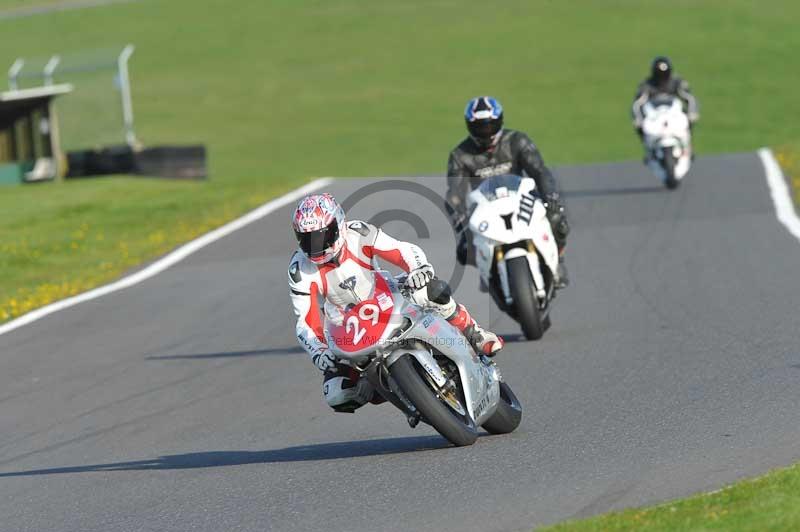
(515,252)
(667,139)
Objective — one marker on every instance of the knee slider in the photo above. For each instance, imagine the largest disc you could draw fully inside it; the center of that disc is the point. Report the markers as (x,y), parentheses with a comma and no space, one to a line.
(439,292)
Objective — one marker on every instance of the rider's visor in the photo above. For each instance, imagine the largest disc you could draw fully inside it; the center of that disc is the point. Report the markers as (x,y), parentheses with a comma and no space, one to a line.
(317,243)
(485,128)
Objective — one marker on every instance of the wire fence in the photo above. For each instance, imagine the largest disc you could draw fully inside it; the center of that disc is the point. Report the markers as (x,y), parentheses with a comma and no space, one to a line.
(93,114)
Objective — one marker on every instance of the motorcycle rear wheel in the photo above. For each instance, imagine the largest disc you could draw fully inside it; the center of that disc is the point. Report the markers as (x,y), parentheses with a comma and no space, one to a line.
(508,414)
(525,302)
(460,431)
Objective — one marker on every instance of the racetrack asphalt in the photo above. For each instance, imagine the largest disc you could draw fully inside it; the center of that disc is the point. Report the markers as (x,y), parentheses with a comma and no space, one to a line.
(184,403)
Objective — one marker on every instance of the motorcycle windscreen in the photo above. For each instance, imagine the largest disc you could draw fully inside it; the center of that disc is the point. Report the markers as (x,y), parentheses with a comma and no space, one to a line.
(499,186)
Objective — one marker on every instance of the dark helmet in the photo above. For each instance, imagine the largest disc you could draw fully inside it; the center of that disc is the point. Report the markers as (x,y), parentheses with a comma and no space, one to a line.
(661,70)
(484,117)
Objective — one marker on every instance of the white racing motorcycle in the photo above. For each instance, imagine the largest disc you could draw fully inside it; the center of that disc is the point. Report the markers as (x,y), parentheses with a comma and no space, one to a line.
(515,251)
(421,364)
(667,139)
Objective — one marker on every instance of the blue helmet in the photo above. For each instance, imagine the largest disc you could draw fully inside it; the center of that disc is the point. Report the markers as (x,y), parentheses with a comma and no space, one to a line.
(484,117)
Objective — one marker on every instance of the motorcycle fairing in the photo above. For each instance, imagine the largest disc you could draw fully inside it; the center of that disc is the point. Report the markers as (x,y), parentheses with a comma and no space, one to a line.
(514,217)
(427,331)
(665,127)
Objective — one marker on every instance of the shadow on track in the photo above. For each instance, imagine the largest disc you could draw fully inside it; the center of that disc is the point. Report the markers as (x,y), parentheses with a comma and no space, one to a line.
(301,453)
(232,354)
(590,193)
(513,338)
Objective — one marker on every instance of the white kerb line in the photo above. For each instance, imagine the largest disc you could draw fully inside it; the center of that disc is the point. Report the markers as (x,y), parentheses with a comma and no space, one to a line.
(170,259)
(781,197)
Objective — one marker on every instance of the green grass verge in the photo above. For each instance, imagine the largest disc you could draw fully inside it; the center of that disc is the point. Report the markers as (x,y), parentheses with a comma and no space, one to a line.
(284,90)
(770,502)
(788,156)
(57,245)
(11,5)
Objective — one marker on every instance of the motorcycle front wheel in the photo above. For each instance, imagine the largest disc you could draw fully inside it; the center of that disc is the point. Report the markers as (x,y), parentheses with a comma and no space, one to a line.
(669,169)
(522,291)
(508,414)
(458,428)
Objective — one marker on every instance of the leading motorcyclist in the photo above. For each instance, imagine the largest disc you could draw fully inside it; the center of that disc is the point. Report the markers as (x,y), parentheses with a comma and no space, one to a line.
(663,81)
(489,150)
(334,262)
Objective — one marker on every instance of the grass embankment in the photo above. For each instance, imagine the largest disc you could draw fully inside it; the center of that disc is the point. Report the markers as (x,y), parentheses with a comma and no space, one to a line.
(281,91)
(14,5)
(771,502)
(788,156)
(94,230)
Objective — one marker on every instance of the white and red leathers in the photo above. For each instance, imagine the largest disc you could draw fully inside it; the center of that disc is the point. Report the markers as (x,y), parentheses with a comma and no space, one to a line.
(347,279)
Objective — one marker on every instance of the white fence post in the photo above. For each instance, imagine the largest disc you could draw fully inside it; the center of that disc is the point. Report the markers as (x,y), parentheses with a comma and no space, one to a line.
(125,90)
(49,68)
(13,73)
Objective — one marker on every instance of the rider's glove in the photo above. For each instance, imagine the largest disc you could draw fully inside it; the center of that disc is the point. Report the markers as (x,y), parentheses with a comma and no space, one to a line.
(552,203)
(419,277)
(557,218)
(325,360)
(457,219)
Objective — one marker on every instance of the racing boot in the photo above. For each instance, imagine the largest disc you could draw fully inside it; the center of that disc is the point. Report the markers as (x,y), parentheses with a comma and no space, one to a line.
(483,287)
(563,277)
(483,341)
(646,156)
(345,391)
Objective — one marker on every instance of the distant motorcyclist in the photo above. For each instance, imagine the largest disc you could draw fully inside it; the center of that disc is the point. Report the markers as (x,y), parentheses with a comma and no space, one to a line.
(662,81)
(334,262)
(491,150)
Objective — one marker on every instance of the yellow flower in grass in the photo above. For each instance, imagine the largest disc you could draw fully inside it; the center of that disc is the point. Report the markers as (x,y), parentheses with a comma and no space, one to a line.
(44,294)
(157,237)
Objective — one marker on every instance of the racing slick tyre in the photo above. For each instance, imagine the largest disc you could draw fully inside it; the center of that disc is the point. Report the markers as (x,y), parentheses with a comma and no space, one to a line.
(458,428)
(527,307)
(669,169)
(546,323)
(508,414)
